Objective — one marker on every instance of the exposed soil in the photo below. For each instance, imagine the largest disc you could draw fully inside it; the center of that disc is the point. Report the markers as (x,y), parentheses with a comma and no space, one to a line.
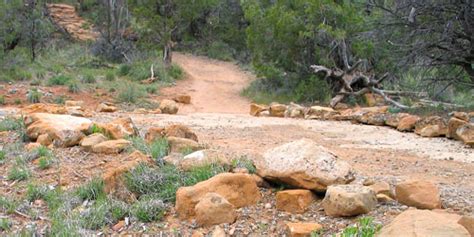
(219,117)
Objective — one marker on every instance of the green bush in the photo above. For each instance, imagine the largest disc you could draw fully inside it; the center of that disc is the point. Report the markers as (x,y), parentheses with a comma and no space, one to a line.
(91,190)
(5,224)
(19,171)
(244,163)
(88,78)
(2,100)
(130,93)
(8,205)
(202,173)
(35,192)
(11,124)
(110,76)
(96,217)
(59,80)
(33,96)
(149,209)
(124,69)
(60,100)
(45,162)
(73,87)
(151,89)
(220,50)
(159,148)
(365,228)
(3,155)
(175,72)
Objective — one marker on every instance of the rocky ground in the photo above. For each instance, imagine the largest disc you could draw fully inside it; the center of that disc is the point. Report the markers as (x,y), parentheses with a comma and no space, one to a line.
(374,153)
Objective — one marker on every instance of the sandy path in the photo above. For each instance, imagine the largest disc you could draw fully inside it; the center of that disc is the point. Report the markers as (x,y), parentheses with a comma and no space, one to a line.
(214,86)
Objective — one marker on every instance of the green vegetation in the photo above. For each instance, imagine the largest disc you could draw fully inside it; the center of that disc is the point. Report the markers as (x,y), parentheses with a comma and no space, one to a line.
(45,162)
(2,100)
(130,93)
(8,205)
(33,96)
(88,78)
(59,80)
(19,171)
(148,209)
(96,129)
(92,190)
(246,163)
(158,148)
(35,192)
(3,156)
(110,76)
(364,228)
(5,224)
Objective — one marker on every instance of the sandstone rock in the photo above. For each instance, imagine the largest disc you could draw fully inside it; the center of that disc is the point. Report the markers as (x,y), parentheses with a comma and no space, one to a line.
(213,209)
(349,200)
(239,189)
(461,115)
(295,111)
(468,223)
(414,223)
(112,175)
(466,134)
(302,229)
(31,146)
(105,108)
(341,106)
(168,107)
(318,112)
(372,99)
(179,145)
(92,140)
(393,120)
(180,131)
(304,164)
(407,123)
(218,232)
(255,109)
(203,157)
(111,147)
(377,119)
(154,133)
(418,193)
(277,110)
(294,201)
(381,187)
(74,103)
(433,126)
(184,99)
(119,226)
(453,125)
(44,139)
(64,130)
(384,198)
(44,108)
(120,128)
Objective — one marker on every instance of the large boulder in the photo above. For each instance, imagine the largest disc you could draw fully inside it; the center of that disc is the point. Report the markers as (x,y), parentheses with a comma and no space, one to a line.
(466,134)
(349,200)
(414,223)
(120,128)
(178,144)
(433,126)
(294,201)
(407,123)
(277,110)
(304,164)
(302,229)
(93,139)
(256,109)
(453,125)
(213,209)
(239,189)
(111,147)
(168,107)
(63,130)
(418,193)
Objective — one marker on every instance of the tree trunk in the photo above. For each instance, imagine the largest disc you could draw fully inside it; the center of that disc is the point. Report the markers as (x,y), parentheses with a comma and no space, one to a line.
(167,55)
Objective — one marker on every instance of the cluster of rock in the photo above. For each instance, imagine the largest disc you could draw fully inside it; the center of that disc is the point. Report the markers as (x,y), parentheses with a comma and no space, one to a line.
(460,126)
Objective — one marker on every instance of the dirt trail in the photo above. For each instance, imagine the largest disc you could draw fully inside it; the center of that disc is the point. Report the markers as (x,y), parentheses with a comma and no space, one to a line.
(214,86)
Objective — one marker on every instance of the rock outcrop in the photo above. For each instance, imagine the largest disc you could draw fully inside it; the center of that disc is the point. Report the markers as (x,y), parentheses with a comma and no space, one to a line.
(304,164)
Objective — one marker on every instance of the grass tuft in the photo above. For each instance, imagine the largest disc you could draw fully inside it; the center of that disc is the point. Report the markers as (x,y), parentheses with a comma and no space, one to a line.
(91,190)
(59,80)
(33,96)
(149,209)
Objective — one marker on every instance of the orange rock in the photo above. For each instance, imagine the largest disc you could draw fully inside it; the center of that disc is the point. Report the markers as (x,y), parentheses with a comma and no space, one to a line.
(453,125)
(92,140)
(381,187)
(294,201)
(44,108)
(466,134)
(178,144)
(407,123)
(433,126)
(277,110)
(180,131)
(31,146)
(112,173)
(213,209)
(105,108)
(349,200)
(44,139)
(120,128)
(468,223)
(154,133)
(184,99)
(74,103)
(302,229)
(394,119)
(255,109)
(117,227)
(111,147)
(418,193)
(168,107)
(239,189)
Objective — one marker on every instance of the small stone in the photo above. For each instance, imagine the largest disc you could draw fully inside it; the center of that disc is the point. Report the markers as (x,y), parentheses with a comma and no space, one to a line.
(294,201)
(268,205)
(117,227)
(302,229)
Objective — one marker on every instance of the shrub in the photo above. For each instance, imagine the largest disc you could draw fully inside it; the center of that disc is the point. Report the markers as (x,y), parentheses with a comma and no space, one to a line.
(175,72)
(88,78)
(151,89)
(110,76)
(45,162)
(124,69)
(365,228)
(96,129)
(149,209)
(73,87)
(33,96)
(139,144)
(91,190)
(60,100)
(246,163)
(12,124)
(41,151)
(5,224)
(59,80)
(8,205)
(159,148)
(202,173)
(17,101)
(35,192)
(220,50)
(130,93)
(2,100)
(95,217)
(19,171)
(2,156)
(186,150)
